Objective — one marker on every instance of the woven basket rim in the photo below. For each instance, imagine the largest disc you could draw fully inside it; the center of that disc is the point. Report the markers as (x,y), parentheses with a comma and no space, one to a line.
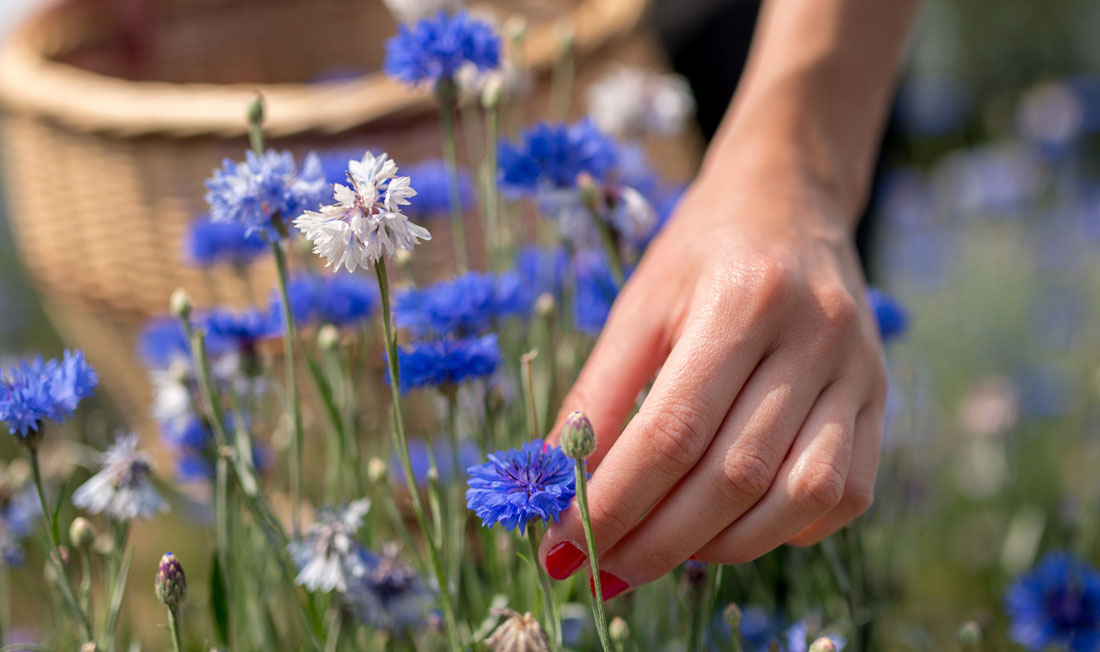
(87,101)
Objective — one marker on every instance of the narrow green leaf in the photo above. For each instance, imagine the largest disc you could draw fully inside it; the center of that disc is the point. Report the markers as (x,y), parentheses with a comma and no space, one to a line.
(219,607)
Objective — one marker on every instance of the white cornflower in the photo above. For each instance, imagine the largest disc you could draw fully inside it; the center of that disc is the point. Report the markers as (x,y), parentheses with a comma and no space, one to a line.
(410,11)
(328,555)
(366,221)
(122,489)
(634,102)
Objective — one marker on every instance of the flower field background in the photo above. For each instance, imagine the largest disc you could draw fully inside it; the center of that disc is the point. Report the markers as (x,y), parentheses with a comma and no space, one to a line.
(984,534)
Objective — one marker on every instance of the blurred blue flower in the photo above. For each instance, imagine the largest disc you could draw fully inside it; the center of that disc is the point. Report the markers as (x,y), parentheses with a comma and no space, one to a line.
(340,299)
(210,243)
(596,291)
(468,454)
(995,180)
(1051,117)
(334,163)
(890,316)
(37,390)
(389,595)
(434,48)
(162,342)
(1057,605)
(520,485)
(464,305)
(541,271)
(904,198)
(550,156)
(931,105)
(253,192)
(433,197)
(447,362)
(18,515)
(240,330)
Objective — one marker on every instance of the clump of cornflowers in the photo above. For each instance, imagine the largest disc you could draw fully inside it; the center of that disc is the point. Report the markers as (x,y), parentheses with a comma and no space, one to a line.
(433,49)
(390,595)
(1056,605)
(343,300)
(211,243)
(633,102)
(448,362)
(38,390)
(518,486)
(465,305)
(240,331)
(264,190)
(328,555)
(367,221)
(433,198)
(123,487)
(890,316)
(19,511)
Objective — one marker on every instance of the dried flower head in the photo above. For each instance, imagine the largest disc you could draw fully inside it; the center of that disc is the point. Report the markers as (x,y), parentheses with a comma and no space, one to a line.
(518,633)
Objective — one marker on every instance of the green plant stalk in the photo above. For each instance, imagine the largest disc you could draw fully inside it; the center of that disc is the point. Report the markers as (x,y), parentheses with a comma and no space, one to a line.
(593,560)
(527,373)
(492,191)
(549,605)
(445,95)
(174,628)
(294,407)
(455,513)
(611,247)
(85,584)
(117,589)
(561,83)
(401,446)
(221,531)
(55,551)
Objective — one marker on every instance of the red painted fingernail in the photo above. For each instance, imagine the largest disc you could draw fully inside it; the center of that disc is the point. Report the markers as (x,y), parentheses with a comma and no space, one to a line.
(693,558)
(563,559)
(610,585)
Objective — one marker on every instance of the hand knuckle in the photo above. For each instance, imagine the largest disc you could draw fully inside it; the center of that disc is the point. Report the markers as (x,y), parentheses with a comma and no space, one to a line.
(677,434)
(818,488)
(747,476)
(839,310)
(608,522)
(859,495)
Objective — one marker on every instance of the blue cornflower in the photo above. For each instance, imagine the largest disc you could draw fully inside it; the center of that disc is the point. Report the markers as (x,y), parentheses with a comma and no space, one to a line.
(448,362)
(210,243)
(890,315)
(596,291)
(463,305)
(1056,605)
(390,595)
(18,515)
(468,454)
(434,48)
(433,197)
(340,299)
(550,156)
(38,390)
(240,330)
(162,342)
(253,192)
(520,485)
(334,163)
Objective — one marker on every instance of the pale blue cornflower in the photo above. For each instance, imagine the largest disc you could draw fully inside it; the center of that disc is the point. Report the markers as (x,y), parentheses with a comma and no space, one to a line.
(389,595)
(464,305)
(366,222)
(339,299)
(123,487)
(35,391)
(434,49)
(448,362)
(521,485)
(18,514)
(264,188)
(329,555)
(433,197)
(212,243)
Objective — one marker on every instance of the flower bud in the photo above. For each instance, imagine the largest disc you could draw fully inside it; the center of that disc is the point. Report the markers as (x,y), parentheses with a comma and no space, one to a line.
(519,633)
(328,337)
(491,91)
(618,630)
(256,109)
(180,303)
(377,471)
(578,440)
(588,190)
(90,646)
(171,585)
(544,305)
(823,644)
(969,634)
(81,534)
(732,616)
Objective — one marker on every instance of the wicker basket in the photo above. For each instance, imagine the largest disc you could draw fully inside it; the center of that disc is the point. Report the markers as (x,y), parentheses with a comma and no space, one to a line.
(104,160)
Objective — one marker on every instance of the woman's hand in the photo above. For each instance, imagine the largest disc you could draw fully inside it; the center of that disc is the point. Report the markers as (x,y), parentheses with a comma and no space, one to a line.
(764,422)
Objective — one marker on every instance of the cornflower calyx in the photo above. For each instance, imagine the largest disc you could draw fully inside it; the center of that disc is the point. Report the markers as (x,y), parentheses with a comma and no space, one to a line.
(171,583)
(578,439)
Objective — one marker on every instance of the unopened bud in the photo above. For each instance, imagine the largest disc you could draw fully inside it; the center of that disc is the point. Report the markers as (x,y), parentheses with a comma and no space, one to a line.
(515,28)
(90,646)
(544,305)
(171,584)
(377,470)
(328,337)
(732,616)
(433,477)
(823,644)
(81,533)
(256,109)
(618,630)
(588,190)
(578,440)
(180,303)
(519,633)
(969,634)
(491,91)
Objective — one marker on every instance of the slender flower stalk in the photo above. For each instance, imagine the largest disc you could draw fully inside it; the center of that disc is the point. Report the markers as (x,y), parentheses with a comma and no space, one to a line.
(401,446)
(445,93)
(561,76)
(491,101)
(549,605)
(527,371)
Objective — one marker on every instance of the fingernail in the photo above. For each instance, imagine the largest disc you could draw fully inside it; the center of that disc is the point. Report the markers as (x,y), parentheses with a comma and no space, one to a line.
(693,558)
(563,559)
(610,585)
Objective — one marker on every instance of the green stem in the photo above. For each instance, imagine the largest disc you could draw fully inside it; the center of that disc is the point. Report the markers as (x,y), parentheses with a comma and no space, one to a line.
(401,444)
(611,247)
(593,560)
(294,407)
(445,94)
(492,191)
(55,550)
(85,582)
(527,372)
(174,628)
(549,606)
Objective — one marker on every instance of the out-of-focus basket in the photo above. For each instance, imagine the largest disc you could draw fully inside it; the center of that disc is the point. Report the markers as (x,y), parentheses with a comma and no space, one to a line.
(104,159)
